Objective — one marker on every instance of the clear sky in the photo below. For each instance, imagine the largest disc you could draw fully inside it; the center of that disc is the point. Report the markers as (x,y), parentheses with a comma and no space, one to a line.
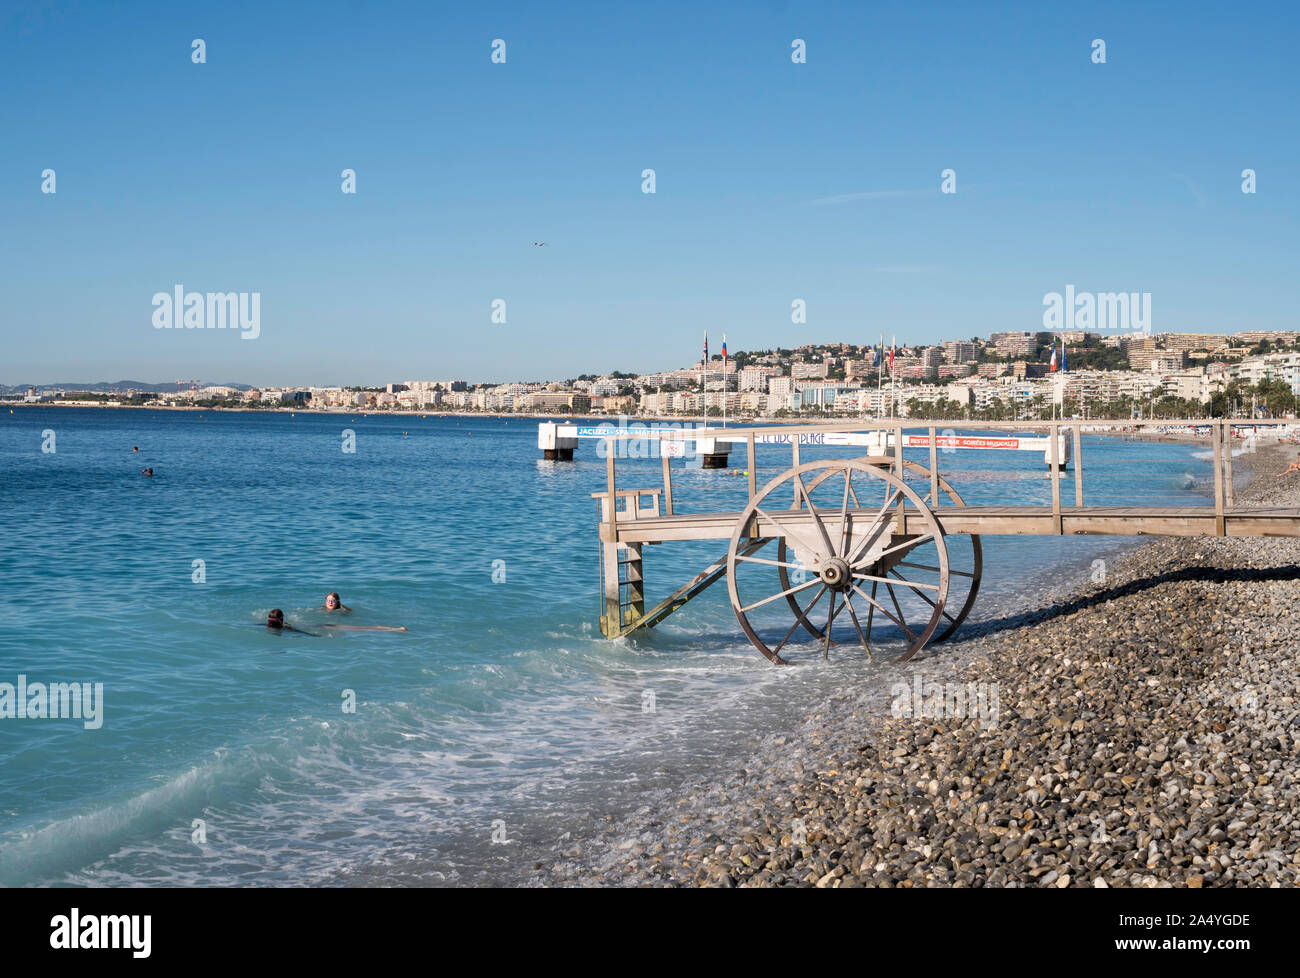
(776,181)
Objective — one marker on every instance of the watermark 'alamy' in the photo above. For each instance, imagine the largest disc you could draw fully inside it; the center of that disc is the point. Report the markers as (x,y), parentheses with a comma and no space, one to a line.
(1101,310)
(637,440)
(53,701)
(956,701)
(130,932)
(215,310)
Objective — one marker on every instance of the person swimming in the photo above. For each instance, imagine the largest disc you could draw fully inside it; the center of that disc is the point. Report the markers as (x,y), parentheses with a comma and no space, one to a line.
(276,623)
(334,603)
(148,472)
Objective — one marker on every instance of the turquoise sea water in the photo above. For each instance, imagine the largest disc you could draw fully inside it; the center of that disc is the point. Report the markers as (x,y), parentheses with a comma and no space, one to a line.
(502,711)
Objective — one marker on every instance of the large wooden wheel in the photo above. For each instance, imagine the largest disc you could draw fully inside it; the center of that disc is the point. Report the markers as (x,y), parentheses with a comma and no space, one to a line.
(965,561)
(853,524)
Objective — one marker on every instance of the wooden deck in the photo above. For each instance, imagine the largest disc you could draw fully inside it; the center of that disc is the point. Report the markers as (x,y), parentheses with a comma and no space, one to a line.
(1270,521)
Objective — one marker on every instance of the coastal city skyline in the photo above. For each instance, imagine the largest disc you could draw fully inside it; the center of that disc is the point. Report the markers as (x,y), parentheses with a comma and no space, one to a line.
(1003,376)
(787,174)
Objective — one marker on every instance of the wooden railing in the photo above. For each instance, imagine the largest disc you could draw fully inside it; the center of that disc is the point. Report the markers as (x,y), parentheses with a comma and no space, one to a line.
(1220,447)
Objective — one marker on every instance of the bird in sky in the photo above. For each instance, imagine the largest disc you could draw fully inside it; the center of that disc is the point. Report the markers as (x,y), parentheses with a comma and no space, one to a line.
(539,244)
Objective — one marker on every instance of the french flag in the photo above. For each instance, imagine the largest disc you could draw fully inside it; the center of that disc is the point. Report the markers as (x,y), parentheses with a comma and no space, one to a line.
(1051,368)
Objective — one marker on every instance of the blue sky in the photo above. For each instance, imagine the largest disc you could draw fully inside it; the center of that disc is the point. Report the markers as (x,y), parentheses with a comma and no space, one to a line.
(225,176)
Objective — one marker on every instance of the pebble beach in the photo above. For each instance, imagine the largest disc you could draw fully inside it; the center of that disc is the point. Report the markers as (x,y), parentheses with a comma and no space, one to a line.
(1139,730)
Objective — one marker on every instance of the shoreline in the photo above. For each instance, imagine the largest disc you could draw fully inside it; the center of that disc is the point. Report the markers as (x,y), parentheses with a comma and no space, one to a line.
(1102,427)
(1145,736)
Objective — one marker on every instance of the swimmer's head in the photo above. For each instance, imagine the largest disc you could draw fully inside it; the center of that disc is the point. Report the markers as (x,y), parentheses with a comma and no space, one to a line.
(275,618)
(332,601)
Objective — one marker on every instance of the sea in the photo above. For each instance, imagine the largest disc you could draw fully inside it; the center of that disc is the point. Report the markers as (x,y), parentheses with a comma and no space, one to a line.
(463,751)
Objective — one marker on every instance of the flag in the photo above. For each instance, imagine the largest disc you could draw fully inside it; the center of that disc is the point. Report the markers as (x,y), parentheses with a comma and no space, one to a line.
(706,347)
(1062,356)
(1051,367)
(877,354)
(724,352)
(892,344)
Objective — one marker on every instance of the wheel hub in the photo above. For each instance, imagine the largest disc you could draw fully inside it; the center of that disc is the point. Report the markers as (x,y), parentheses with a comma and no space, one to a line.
(835,574)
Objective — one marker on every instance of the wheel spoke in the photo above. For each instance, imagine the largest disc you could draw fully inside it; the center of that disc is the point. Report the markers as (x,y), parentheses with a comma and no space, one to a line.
(774,563)
(951,570)
(848,600)
(844,514)
(821,527)
(905,545)
(871,610)
(885,580)
(830,620)
(787,530)
(924,597)
(878,522)
(781,594)
(894,598)
(777,650)
(883,610)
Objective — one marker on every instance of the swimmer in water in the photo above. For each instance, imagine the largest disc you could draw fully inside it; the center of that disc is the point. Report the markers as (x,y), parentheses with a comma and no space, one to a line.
(136,449)
(276,623)
(334,603)
(148,472)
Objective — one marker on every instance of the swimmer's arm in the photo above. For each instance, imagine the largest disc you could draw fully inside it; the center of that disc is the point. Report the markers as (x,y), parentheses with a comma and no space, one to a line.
(366,628)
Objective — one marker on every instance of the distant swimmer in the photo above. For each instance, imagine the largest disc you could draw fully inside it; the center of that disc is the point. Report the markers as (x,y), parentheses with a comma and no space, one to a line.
(136,449)
(275,621)
(334,603)
(148,472)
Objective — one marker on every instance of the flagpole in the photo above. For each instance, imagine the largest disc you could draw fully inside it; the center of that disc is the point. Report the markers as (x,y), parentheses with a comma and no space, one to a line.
(893,385)
(724,380)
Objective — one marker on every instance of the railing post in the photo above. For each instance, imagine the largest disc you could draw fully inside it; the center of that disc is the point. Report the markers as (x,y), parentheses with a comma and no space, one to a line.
(794,455)
(1054,461)
(668,480)
(609,476)
(611,622)
(753,470)
(1078,466)
(1227,466)
(898,466)
(934,469)
(1216,437)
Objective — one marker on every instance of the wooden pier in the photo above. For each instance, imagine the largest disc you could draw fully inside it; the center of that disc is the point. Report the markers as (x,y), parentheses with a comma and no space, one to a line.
(885,532)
